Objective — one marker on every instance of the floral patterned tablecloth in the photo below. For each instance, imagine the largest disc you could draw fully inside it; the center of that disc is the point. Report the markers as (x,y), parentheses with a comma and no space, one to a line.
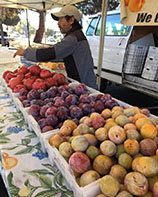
(25,169)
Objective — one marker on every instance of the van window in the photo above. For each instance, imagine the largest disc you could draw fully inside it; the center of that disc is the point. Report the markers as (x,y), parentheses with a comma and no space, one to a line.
(113,26)
(91,27)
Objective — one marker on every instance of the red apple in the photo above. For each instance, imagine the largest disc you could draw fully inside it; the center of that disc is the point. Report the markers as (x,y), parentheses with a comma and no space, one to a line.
(45,73)
(9,76)
(60,78)
(27,75)
(39,84)
(20,76)
(23,69)
(18,87)
(98,122)
(13,82)
(79,162)
(5,73)
(28,83)
(50,82)
(34,70)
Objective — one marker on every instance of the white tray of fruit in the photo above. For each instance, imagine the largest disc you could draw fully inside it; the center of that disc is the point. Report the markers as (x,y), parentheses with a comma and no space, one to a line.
(56,158)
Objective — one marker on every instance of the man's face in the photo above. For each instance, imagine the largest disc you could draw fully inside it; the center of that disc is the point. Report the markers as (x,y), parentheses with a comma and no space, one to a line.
(65,25)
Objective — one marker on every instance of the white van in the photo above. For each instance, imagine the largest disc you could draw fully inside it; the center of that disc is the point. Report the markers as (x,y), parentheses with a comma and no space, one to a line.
(122,46)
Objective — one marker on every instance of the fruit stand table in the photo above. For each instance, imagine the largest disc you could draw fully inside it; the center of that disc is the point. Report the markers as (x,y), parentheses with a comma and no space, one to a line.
(25,169)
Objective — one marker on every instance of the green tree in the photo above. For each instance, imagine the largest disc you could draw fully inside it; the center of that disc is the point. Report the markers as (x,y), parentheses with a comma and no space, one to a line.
(89,7)
(50,32)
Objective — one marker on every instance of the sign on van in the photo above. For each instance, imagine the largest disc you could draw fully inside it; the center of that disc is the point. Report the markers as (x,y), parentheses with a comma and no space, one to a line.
(139,12)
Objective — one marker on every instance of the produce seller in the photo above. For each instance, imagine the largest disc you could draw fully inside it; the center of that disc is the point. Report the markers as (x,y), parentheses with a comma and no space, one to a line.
(73,48)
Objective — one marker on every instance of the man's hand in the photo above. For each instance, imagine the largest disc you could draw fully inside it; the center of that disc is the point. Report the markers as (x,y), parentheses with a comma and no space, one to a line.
(19,52)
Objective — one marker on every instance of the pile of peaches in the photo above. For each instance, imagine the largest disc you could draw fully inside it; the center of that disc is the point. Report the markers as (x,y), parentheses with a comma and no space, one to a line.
(118,146)
(50,98)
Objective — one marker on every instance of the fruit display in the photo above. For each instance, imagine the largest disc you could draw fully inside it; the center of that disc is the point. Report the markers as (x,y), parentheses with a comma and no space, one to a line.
(101,145)
(51,99)
(117,147)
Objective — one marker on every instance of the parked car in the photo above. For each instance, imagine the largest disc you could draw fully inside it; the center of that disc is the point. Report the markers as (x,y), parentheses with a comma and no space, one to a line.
(6,41)
(52,39)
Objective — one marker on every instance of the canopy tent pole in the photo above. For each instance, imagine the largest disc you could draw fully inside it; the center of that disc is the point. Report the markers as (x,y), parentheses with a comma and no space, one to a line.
(1,28)
(101,45)
(28,31)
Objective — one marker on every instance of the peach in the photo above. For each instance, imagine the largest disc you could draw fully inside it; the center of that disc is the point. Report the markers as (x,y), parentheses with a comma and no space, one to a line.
(79,162)
(108,148)
(152,180)
(81,129)
(148,130)
(106,113)
(148,147)
(120,150)
(98,122)
(88,121)
(91,139)
(124,194)
(88,177)
(65,149)
(70,123)
(116,113)
(101,134)
(109,185)
(102,164)
(141,121)
(131,146)
(116,108)
(136,183)
(125,160)
(65,130)
(94,114)
(91,130)
(82,119)
(147,166)
(117,134)
(139,115)
(101,195)
(133,134)
(79,143)
(57,139)
(121,120)
(129,126)
(135,5)
(109,124)
(92,152)
(131,111)
(132,119)
(118,172)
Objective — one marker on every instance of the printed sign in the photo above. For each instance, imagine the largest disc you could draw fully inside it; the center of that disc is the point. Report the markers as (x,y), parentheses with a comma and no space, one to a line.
(139,12)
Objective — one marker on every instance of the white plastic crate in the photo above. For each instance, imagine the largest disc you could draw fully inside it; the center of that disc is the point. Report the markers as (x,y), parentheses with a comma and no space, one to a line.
(153,52)
(90,190)
(150,70)
(134,59)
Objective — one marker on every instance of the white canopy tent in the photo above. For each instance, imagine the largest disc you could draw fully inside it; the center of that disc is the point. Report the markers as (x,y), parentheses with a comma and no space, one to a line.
(50,4)
(36,4)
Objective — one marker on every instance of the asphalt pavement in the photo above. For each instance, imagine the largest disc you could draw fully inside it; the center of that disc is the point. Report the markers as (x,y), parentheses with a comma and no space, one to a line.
(133,97)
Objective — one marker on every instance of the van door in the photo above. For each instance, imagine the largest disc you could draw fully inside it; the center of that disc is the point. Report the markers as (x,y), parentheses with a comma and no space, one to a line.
(116,39)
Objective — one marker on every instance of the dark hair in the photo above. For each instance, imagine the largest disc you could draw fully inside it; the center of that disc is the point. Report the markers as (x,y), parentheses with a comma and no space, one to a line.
(76,24)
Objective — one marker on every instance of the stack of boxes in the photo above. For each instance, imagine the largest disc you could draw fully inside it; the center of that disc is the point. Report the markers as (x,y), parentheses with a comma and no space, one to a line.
(150,70)
(134,59)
